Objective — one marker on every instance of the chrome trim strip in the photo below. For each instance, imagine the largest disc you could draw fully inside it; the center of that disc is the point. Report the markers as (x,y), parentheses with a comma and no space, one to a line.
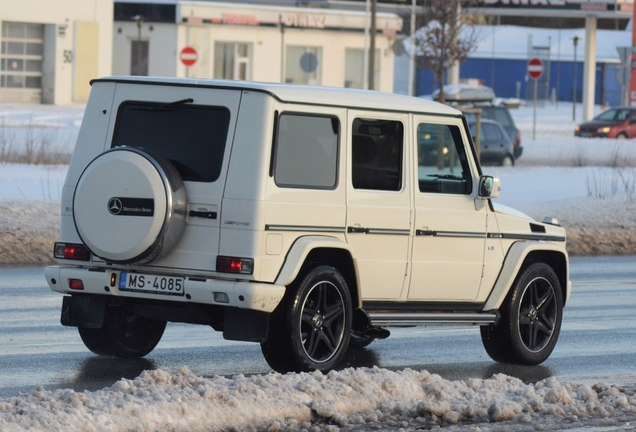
(534,237)
(298,228)
(434,233)
(408,319)
(388,231)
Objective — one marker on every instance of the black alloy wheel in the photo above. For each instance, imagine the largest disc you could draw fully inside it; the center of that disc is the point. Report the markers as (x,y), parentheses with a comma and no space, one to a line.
(530,320)
(310,329)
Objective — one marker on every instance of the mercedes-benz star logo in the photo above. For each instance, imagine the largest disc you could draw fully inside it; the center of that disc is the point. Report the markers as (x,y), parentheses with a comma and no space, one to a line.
(114,206)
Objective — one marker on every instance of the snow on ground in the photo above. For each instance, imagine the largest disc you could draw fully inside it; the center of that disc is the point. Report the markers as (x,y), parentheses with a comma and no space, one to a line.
(587,183)
(351,399)
(54,126)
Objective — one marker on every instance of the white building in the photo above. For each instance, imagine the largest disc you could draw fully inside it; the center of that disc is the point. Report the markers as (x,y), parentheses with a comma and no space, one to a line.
(250,42)
(52,49)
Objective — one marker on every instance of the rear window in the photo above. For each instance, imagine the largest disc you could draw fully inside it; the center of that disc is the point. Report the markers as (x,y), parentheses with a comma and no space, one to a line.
(501,116)
(191,137)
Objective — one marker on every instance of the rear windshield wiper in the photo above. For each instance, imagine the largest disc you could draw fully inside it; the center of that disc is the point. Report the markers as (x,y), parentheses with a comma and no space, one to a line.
(165,106)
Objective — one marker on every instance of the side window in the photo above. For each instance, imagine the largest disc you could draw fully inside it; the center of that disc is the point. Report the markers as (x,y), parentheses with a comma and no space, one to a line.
(490,132)
(306,151)
(377,149)
(442,163)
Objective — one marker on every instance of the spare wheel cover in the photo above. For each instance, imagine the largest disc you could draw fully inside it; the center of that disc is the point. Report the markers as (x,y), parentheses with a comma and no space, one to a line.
(129,206)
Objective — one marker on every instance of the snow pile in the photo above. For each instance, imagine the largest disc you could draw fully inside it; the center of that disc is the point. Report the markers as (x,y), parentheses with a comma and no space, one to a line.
(348,399)
(28,230)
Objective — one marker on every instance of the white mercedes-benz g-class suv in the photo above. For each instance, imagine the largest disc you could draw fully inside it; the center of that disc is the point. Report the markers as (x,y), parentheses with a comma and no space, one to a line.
(307,219)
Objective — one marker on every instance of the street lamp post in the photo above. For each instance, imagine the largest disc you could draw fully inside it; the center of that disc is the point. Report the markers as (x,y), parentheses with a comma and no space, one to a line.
(575,41)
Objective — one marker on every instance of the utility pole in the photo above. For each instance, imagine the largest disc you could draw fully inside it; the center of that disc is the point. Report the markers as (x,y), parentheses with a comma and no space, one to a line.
(374,8)
(412,53)
(575,41)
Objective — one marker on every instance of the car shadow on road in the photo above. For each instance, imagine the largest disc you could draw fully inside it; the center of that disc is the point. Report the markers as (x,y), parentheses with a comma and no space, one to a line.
(95,373)
(366,357)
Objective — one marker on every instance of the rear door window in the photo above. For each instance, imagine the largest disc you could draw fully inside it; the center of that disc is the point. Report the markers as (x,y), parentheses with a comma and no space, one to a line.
(191,137)
(377,149)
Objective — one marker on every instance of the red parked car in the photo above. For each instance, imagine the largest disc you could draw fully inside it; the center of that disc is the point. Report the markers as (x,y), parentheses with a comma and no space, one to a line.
(613,123)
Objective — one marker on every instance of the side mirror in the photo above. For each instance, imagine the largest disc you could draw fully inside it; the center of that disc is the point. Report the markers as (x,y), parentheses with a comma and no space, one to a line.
(489,187)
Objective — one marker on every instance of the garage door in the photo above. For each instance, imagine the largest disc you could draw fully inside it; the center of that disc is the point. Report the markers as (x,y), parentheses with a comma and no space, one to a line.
(21,62)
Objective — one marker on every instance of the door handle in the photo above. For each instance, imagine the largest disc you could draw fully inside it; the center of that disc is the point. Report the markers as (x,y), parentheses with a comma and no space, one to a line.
(358,230)
(202,214)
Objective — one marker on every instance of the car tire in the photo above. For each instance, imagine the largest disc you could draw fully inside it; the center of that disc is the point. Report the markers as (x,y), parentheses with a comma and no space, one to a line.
(507,161)
(360,341)
(621,135)
(310,330)
(530,320)
(123,334)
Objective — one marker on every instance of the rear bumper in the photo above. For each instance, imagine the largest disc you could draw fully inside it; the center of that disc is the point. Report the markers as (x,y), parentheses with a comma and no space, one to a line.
(244,295)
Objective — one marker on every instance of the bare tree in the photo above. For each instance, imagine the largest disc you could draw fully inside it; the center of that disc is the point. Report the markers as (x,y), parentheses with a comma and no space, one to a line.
(447,36)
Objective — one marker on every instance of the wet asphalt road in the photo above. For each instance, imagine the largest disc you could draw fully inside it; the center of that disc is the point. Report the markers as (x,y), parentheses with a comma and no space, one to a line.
(597,342)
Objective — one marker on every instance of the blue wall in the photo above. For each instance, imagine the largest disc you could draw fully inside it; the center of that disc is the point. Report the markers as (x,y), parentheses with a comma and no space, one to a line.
(507,73)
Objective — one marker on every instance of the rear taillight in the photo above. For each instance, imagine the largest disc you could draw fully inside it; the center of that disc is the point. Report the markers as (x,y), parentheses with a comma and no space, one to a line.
(76,284)
(518,138)
(226,264)
(71,251)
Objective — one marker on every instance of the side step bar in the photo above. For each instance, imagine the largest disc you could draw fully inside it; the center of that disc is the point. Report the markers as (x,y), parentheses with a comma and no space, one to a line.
(383,319)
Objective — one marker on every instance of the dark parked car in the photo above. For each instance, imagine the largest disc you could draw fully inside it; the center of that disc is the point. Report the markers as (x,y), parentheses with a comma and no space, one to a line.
(501,115)
(614,123)
(478,96)
(496,147)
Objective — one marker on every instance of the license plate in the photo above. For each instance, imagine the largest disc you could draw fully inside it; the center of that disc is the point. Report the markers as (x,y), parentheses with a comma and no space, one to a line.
(154,284)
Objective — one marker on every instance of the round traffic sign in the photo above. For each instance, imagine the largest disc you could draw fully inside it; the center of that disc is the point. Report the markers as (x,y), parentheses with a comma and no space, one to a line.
(535,68)
(188,56)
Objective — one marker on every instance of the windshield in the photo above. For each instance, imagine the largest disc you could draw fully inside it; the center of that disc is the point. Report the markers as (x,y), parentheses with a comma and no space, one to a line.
(614,115)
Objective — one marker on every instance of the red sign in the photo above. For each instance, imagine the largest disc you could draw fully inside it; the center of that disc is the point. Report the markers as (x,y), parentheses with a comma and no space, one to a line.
(188,56)
(535,68)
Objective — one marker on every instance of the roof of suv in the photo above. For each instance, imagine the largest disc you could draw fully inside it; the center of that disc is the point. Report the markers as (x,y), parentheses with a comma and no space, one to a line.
(303,94)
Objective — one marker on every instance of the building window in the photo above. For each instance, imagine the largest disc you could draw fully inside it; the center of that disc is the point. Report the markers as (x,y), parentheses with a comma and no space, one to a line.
(21,56)
(139,58)
(232,61)
(304,65)
(355,70)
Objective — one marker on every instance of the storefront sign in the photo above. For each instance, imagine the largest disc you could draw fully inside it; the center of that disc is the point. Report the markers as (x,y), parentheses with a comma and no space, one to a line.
(303,20)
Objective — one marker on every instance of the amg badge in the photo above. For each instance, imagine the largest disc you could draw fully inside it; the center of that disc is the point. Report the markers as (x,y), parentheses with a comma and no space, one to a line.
(131,206)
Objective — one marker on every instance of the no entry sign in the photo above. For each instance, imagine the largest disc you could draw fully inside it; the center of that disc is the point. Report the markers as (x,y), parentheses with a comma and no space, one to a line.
(535,68)
(188,56)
